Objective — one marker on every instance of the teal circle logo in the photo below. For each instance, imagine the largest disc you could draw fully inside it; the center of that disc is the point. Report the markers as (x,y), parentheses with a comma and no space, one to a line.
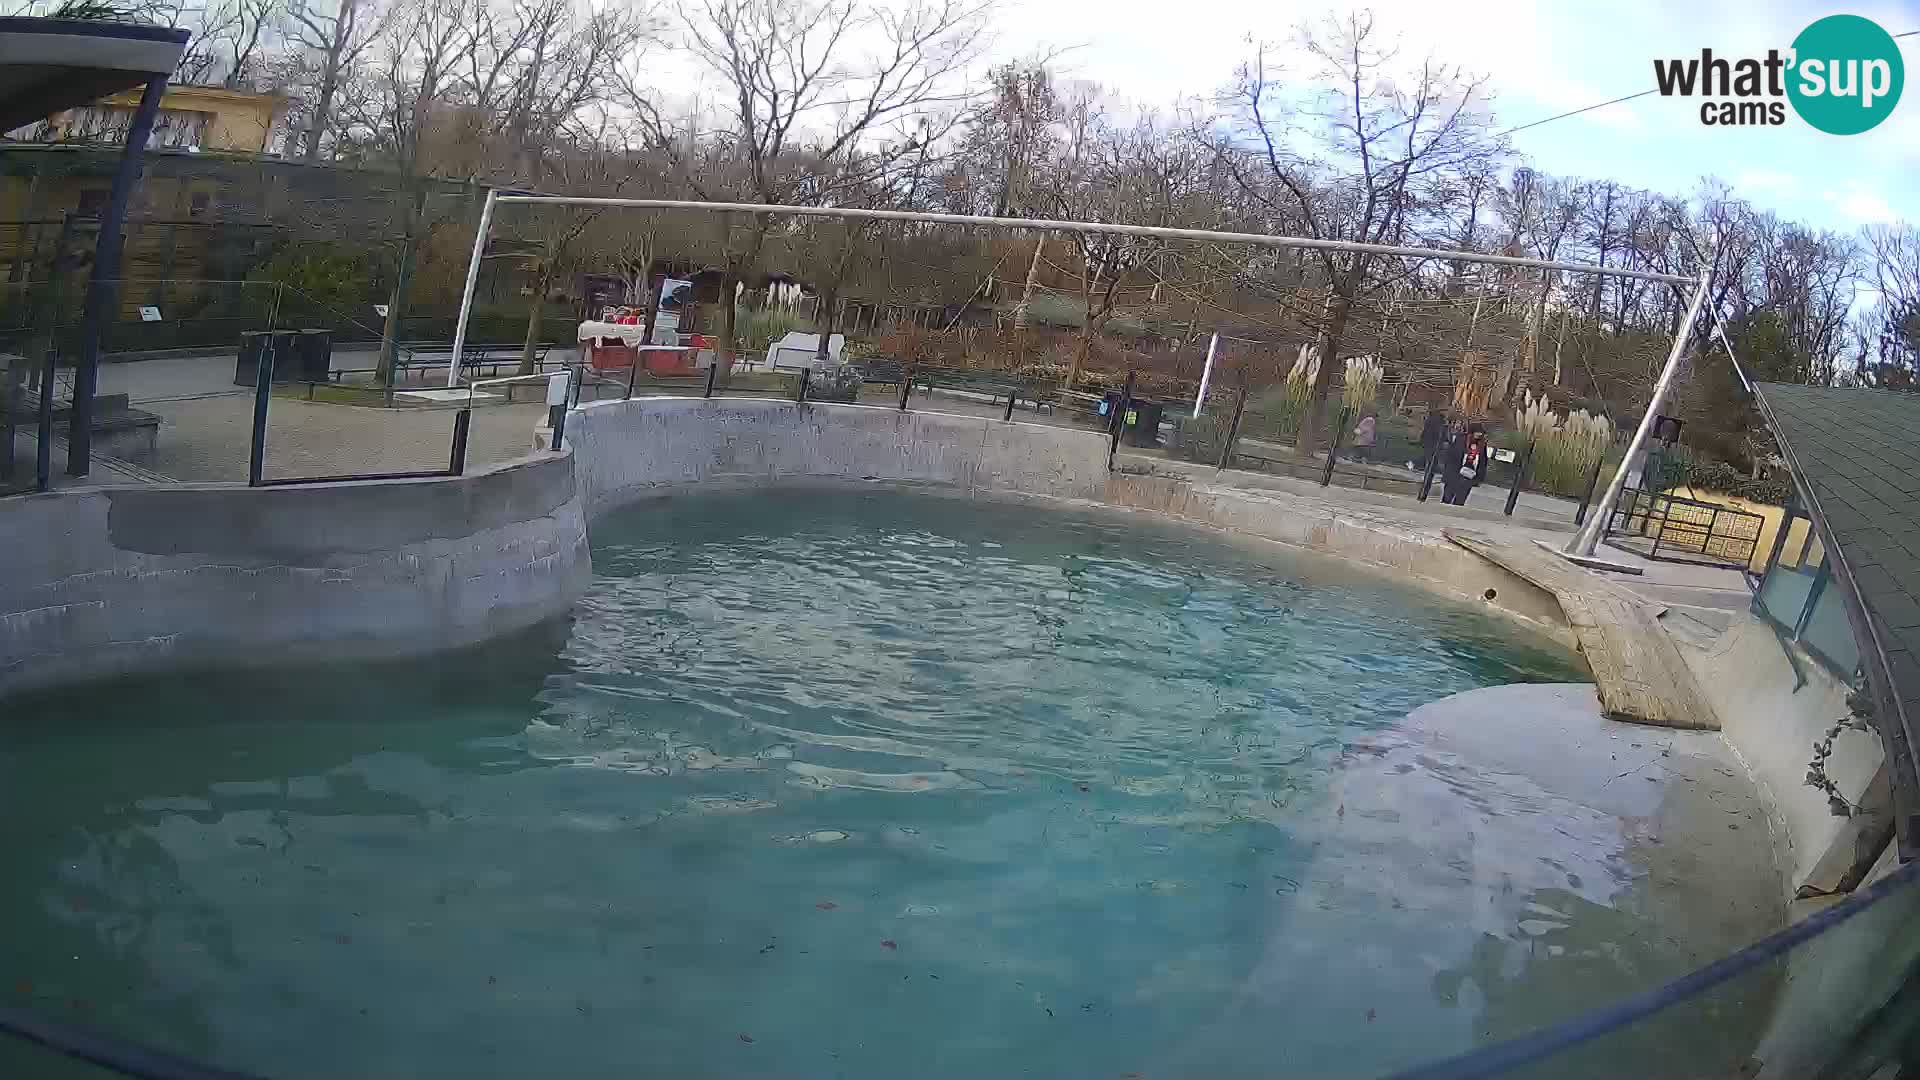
(1846,75)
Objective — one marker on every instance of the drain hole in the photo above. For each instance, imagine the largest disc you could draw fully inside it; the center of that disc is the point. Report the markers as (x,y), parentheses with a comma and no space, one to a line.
(1490,593)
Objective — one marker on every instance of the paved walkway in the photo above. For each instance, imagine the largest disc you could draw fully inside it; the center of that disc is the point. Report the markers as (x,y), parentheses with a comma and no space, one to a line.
(1665,582)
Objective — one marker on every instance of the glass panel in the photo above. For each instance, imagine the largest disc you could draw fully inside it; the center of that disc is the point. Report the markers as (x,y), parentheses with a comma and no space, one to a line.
(1799,530)
(1783,595)
(1815,553)
(1828,632)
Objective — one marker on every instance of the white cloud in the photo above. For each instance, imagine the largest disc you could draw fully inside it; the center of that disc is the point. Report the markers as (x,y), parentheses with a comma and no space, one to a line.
(1861,205)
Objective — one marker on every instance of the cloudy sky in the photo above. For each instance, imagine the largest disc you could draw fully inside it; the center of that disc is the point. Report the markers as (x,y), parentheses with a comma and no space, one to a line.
(1542,57)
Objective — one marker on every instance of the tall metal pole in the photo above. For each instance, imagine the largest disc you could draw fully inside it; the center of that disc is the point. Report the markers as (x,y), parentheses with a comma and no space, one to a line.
(473,277)
(104,286)
(1206,373)
(1587,540)
(1093,227)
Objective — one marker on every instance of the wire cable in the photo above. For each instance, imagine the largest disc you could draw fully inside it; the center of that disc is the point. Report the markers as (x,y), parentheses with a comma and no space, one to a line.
(1576,112)
(1502,1057)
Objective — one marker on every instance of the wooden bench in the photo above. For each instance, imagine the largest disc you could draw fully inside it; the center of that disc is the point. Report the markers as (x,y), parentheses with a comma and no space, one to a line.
(474,358)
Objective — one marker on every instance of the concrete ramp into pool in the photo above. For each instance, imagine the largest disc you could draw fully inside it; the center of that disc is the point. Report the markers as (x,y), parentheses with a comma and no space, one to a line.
(1638,669)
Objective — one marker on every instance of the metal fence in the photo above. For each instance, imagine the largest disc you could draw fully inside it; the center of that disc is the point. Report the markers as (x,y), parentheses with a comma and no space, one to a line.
(1668,527)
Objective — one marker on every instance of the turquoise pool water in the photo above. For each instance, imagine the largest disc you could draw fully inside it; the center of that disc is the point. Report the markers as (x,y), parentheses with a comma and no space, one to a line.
(828,783)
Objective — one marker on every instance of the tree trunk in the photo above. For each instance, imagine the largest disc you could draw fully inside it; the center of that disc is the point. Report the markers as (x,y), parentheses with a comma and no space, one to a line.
(1033,282)
(321,109)
(396,302)
(540,288)
(823,323)
(1081,348)
(729,311)
(402,278)
(1536,320)
(1313,425)
(652,318)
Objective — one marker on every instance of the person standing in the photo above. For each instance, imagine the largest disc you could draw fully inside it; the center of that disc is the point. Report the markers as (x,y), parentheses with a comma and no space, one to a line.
(1465,465)
(1432,434)
(1363,436)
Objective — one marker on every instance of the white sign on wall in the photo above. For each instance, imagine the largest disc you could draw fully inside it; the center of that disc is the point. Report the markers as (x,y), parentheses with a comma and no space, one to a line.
(149,314)
(380,310)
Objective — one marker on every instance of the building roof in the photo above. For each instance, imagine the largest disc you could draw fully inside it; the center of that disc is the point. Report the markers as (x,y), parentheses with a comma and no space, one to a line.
(47,65)
(1856,459)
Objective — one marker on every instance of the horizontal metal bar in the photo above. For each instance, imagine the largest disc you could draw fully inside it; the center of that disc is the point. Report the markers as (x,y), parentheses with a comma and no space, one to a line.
(1155,231)
(537,377)
(108,1051)
(293,481)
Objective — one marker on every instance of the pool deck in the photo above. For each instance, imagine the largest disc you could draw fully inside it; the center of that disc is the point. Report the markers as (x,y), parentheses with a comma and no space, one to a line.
(1636,665)
(1630,628)
(1672,583)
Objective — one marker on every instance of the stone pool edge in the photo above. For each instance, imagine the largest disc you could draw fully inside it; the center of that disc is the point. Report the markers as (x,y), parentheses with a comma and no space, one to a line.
(631,450)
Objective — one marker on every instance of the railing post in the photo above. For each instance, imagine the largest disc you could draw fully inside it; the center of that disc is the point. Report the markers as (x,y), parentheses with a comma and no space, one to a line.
(43,450)
(1120,420)
(1233,429)
(1586,498)
(713,373)
(906,387)
(458,463)
(1009,414)
(1333,447)
(1519,478)
(557,391)
(805,374)
(262,393)
(633,373)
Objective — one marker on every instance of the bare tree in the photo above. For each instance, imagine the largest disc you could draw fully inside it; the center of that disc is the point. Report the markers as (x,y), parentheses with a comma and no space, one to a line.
(333,42)
(1378,143)
(797,105)
(413,70)
(230,40)
(1891,330)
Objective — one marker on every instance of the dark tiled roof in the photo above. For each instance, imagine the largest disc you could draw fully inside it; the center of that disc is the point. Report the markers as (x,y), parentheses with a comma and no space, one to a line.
(1859,454)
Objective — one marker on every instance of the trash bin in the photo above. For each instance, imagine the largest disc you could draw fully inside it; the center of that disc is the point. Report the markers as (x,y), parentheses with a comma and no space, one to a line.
(248,364)
(284,359)
(1143,422)
(312,359)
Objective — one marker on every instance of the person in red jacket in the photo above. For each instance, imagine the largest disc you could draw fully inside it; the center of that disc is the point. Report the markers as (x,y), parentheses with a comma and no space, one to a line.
(1465,464)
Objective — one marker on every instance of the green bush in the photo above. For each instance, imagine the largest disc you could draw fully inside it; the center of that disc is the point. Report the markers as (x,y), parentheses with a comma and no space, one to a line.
(1201,438)
(756,329)
(320,274)
(1709,474)
(1273,415)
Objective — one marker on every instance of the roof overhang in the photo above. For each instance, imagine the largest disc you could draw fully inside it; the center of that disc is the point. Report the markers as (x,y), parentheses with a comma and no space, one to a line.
(47,65)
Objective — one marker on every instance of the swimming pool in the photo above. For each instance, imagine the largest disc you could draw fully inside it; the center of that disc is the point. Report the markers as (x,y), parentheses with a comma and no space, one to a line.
(847,782)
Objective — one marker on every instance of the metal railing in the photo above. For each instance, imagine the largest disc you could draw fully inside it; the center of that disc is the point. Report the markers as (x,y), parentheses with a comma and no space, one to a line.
(1657,525)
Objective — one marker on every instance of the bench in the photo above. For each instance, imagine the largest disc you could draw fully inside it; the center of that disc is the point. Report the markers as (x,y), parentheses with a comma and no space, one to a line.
(1081,403)
(473,359)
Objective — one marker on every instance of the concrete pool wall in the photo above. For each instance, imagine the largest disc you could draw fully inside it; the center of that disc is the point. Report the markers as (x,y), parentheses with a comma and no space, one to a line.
(626,450)
(100,582)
